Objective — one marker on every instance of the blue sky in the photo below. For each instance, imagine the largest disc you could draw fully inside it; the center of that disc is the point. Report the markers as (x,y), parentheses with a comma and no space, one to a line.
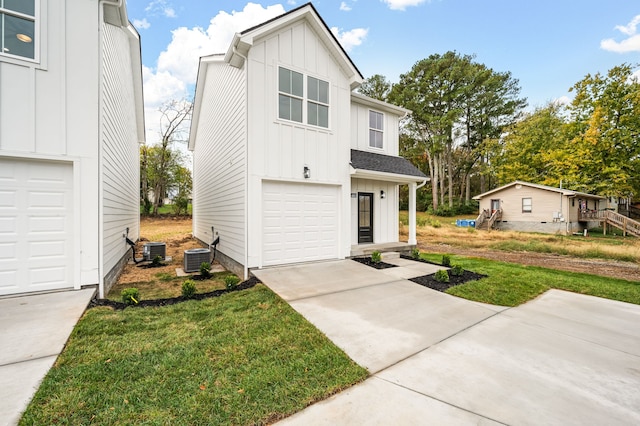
(547,45)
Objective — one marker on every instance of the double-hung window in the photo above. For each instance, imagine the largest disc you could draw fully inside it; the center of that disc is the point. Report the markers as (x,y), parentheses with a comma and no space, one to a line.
(292,98)
(18,28)
(376,129)
(526,205)
(318,102)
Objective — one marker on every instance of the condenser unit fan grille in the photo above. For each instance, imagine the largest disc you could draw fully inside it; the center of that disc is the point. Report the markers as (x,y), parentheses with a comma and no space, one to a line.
(193,258)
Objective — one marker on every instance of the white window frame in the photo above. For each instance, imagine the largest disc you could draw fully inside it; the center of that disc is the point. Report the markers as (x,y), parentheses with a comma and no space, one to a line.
(528,205)
(36,30)
(305,99)
(377,131)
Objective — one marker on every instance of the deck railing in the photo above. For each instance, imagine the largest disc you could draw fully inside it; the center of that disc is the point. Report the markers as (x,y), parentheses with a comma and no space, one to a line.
(609,217)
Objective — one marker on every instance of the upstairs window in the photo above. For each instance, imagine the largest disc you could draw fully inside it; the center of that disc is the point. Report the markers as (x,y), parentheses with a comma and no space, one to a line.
(526,205)
(292,98)
(376,129)
(18,28)
(318,103)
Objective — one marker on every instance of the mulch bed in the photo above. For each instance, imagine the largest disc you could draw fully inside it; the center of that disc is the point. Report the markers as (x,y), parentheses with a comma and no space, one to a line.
(429,280)
(251,282)
(426,280)
(367,261)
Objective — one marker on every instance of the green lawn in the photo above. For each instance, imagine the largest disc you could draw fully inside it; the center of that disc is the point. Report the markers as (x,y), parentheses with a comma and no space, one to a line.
(243,358)
(508,284)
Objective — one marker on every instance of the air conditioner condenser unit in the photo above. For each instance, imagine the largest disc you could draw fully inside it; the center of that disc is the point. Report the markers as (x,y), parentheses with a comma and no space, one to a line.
(193,258)
(151,250)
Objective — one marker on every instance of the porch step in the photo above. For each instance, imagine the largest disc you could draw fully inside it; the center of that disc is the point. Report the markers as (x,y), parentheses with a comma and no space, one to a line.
(390,255)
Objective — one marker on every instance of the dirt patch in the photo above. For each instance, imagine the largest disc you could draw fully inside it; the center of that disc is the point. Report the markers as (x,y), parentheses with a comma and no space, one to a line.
(606,268)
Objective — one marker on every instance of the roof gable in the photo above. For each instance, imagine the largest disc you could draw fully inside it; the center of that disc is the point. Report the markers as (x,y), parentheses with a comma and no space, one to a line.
(562,191)
(243,41)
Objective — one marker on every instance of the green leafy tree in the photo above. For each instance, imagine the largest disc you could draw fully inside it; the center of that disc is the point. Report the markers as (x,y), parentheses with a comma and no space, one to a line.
(158,163)
(377,86)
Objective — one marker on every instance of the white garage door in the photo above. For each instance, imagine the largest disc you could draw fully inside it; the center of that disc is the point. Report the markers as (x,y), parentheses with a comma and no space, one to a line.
(300,222)
(36,223)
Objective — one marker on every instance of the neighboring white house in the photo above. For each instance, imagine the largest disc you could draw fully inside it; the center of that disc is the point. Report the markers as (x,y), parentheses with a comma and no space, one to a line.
(71,120)
(530,207)
(290,165)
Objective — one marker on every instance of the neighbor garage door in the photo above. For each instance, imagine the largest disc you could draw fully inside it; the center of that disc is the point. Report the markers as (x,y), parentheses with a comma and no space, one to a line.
(36,226)
(300,222)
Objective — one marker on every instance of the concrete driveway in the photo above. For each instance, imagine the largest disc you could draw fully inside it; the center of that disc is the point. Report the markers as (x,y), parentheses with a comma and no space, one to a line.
(33,332)
(562,358)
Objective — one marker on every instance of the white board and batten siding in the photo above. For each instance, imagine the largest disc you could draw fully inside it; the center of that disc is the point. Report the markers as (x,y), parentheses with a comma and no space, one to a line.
(36,226)
(219,161)
(120,147)
(360,128)
(280,149)
(385,210)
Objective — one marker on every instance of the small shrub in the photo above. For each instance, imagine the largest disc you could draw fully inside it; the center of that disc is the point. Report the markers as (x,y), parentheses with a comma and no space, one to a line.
(457,270)
(188,288)
(130,296)
(421,221)
(435,223)
(205,269)
(157,261)
(446,260)
(441,276)
(231,281)
(415,253)
(376,257)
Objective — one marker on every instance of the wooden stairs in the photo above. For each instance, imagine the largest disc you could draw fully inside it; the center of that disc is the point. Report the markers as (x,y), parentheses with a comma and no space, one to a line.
(624,223)
(486,220)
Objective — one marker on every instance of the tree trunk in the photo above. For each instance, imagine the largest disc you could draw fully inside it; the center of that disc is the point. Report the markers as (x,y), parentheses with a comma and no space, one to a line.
(433,170)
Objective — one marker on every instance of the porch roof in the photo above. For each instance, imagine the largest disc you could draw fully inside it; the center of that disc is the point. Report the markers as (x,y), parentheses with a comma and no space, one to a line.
(384,167)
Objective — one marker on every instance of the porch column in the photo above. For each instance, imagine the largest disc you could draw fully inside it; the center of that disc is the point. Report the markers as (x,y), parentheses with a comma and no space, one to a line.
(412,213)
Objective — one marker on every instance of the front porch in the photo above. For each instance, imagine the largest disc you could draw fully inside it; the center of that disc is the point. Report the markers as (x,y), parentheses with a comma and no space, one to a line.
(367,249)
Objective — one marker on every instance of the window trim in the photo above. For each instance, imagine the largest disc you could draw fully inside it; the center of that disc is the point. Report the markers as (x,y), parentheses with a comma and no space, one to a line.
(305,98)
(376,130)
(37,24)
(530,205)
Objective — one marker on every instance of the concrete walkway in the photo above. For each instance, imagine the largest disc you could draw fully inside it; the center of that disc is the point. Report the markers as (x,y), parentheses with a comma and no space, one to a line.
(33,332)
(563,358)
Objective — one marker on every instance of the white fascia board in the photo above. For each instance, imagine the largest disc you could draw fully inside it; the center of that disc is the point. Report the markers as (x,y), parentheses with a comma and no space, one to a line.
(380,105)
(136,73)
(386,177)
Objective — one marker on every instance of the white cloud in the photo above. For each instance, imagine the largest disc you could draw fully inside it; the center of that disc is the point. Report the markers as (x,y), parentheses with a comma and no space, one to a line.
(161,7)
(562,100)
(345,7)
(630,28)
(350,39)
(291,2)
(630,44)
(177,65)
(141,24)
(402,4)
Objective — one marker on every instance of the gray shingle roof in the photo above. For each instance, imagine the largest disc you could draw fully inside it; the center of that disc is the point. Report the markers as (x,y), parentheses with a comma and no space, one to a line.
(383,163)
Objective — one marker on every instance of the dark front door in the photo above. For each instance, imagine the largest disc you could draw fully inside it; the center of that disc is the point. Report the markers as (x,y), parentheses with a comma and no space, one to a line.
(365,217)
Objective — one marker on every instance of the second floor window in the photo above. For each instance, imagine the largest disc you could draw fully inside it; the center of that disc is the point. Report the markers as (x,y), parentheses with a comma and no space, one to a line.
(292,98)
(376,129)
(18,28)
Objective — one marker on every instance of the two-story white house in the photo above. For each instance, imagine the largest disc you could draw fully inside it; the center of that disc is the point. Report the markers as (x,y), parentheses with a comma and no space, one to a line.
(290,164)
(71,120)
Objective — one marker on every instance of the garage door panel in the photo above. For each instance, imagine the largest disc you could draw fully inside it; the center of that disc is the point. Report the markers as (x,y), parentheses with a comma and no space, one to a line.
(36,226)
(300,222)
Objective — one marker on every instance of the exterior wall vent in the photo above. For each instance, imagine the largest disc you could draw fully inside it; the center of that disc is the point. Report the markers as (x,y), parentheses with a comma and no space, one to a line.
(193,258)
(151,250)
